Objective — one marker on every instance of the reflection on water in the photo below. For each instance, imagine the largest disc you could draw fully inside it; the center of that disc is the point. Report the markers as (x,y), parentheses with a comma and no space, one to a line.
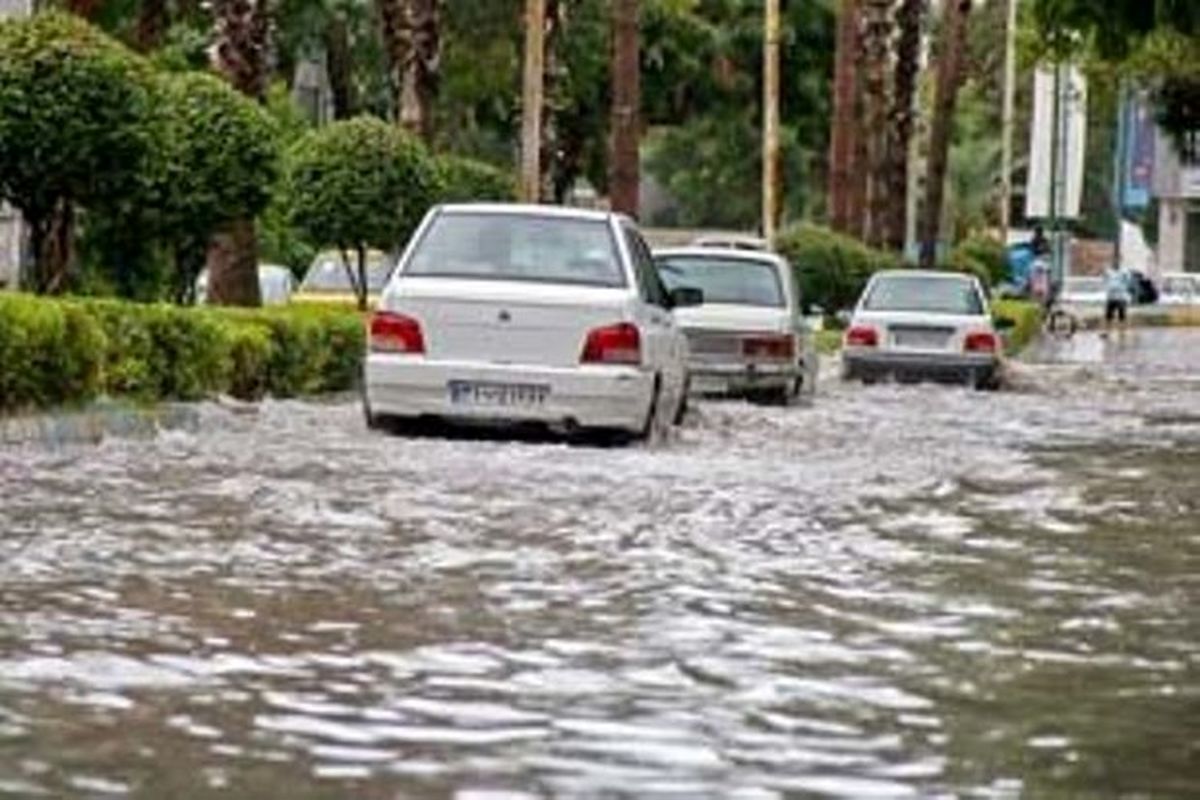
(903,591)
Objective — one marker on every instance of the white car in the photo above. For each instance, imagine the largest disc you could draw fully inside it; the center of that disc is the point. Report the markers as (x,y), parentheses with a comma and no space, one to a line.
(923,325)
(528,314)
(1180,289)
(749,337)
(1083,290)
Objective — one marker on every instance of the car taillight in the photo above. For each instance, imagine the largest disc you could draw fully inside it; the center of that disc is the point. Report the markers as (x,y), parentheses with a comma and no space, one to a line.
(981,342)
(614,344)
(396,333)
(774,348)
(862,336)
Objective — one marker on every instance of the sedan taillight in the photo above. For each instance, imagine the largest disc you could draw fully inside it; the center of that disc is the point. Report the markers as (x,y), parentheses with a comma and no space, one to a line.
(770,347)
(981,342)
(613,344)
(396,333)
(862,336)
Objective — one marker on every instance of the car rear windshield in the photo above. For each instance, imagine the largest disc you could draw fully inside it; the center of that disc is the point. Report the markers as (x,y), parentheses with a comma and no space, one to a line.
(328,274)
(733,281)
(931,295)
(518,247)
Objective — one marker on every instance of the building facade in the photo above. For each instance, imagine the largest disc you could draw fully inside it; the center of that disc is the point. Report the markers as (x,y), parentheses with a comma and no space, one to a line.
(12,235)
(1177,187)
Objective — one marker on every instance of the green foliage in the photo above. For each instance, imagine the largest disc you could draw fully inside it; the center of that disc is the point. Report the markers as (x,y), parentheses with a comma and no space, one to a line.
(360,184)
(50,353)
(832,269)
(983,256)
(465,180)
(74,117)
(1028,323)
(63,352)
(220,161)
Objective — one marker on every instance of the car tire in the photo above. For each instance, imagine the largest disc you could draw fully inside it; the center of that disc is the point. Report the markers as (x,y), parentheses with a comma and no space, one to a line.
(681,411)
(652,429)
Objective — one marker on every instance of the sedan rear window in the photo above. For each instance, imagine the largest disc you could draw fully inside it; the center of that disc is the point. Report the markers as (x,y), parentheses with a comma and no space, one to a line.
(931,295)
(518,247)
(328,273)
(734,281)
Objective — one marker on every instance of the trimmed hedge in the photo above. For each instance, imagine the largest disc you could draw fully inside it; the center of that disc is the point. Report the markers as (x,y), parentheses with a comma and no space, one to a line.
(831,269)
(62,352)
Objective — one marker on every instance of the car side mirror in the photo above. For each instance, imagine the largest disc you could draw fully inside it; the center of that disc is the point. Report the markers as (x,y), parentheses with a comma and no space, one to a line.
(843,317)
(686,297)
(1004,323)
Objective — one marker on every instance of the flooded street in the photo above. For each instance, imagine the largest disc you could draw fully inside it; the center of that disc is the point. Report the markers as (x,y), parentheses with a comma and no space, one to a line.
(900,591)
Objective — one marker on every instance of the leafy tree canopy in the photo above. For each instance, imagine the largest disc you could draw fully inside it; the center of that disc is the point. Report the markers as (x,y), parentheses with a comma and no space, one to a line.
(75,121)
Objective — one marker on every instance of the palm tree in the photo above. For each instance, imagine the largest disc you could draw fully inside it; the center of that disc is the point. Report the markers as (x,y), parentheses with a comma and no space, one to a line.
(412,40)
(952,45)
(241,53)
(845,177)
(626,106)
(910,18)
(876,50)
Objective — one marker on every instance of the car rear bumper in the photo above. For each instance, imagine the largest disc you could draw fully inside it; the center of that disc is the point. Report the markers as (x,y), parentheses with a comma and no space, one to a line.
(940,367)
(738,377)
(598,397)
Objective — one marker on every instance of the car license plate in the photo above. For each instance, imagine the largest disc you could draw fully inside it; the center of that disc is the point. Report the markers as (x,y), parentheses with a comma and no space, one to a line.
(921,339)
(499,395)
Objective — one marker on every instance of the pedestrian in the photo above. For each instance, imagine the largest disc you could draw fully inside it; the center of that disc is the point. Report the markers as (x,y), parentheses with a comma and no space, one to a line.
(1118,290)
(1039,244)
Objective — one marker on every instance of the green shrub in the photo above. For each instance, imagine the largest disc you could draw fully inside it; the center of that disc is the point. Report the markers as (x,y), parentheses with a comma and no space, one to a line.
(983,256)
(466,180)
(831,269)
(1028,319)
(61,352)
(50,353)
(357,185)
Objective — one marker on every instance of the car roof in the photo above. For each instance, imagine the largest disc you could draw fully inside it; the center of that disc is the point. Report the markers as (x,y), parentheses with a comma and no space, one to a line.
(923,273)
(529,210)
(732,241)
(724,253)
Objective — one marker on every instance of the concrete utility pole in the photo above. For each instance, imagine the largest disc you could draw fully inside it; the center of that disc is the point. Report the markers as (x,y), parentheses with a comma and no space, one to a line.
(770,165)
(1010,102)
(532,101)
(625,177)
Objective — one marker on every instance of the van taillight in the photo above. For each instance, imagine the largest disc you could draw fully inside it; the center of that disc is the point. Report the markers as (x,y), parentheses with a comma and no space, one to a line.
(614,344)
(773,348)
(396,333)
(862,336)
(982,342)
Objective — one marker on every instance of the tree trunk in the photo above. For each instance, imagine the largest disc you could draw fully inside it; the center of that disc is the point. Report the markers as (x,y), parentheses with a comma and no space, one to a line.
(876,39)
(845,207)
(411,32)
(910,19)
(83,8)
(242,55)
(624,173)
(951,52)
(243,44)
(340,66)
(233,266)
(553,136)
(152,24)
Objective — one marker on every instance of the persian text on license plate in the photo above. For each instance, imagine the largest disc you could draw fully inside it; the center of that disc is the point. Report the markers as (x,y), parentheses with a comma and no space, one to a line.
(501,395)
(926,340)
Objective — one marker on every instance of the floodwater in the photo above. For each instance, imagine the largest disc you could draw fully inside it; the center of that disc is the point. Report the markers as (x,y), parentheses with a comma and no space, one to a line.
(898,592)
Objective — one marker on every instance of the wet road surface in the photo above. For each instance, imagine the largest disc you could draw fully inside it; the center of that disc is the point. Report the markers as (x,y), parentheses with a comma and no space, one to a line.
(899,592)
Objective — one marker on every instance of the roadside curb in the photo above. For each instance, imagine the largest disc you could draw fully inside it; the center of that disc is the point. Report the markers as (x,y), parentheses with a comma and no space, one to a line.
(93,424)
